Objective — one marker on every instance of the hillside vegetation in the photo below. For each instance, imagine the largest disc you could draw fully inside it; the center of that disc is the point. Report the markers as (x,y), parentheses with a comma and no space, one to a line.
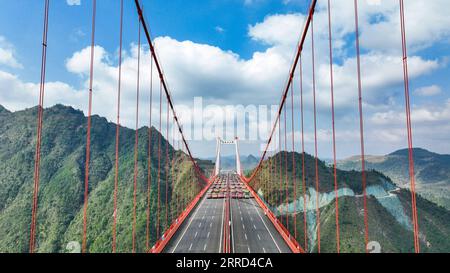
(61,192)
(389,208)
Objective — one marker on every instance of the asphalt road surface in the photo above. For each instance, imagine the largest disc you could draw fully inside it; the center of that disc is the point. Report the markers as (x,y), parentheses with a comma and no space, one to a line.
(202,230)
(251,230)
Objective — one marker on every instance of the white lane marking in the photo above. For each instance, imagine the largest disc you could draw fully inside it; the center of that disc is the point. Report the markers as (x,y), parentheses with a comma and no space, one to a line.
(190,247)
(259,238)
(210,225)
(245,234)
(187,227)
(242,219)
(264,250)
(212,218)
(221,227)
(196,233)
(254,227)
(249,249)
(243,226)
(270,233)
(232,230)
(203,217)
(204,247)
(207,236)
(200,225)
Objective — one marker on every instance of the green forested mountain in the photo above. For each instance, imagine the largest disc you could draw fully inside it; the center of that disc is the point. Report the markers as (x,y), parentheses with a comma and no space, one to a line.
(389,208)
(62,182)
(432,171)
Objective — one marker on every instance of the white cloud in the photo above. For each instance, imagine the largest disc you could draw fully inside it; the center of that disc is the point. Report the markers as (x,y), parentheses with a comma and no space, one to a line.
(223,77)
(428,91)
(7,53)
(219,29)
(73,2)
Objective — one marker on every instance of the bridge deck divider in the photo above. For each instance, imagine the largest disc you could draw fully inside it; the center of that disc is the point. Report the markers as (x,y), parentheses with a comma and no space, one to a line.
(284,232)
(176,224)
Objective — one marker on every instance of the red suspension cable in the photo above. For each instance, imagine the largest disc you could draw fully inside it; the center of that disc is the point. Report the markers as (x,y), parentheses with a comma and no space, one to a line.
(116,176)
(159,162)
(149,160)
(166,167)
(39,130)
(88,135)
(280,168)
(315,137)
(361,126)
(136,140)
(409,130)
(334,130)
(305,226)
(293,160)
(285,168)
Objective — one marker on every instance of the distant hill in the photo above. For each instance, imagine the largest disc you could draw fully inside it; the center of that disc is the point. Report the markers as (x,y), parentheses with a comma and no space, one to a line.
(229,162)
(389,208)
(62,181)
(432,171)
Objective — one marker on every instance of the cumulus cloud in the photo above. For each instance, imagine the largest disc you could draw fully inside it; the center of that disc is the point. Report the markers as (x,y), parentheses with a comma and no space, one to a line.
(73,2)
(223,77)
(7,53)
(428,91)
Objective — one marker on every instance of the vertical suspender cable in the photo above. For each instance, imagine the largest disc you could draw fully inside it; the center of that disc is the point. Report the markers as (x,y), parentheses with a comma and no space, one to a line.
(285,167)
(361,127)
(294,174)
(39,130)
(116,176)
(88,135)
(149,160)
(409,130)
(166,167)
(315,137)
(159,161)
(305,225)
(136,140)
(334,130)
(280,171)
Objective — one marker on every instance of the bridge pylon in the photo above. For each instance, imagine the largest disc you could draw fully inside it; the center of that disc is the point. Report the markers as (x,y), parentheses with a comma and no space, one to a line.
(219,144)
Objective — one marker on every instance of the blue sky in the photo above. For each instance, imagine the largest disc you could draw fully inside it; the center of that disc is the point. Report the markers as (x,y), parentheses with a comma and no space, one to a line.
(232,51)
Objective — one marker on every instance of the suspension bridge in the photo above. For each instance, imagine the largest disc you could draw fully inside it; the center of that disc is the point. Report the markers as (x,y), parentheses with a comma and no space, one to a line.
(231,212)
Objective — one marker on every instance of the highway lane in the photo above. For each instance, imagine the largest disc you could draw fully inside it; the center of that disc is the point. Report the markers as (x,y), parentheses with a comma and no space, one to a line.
(201,233)
(252,231)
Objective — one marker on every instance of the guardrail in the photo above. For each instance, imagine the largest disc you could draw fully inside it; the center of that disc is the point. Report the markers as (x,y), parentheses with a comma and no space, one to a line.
(170,232)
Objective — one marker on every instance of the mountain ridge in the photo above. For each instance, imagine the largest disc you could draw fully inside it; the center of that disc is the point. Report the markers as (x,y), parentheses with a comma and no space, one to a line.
(62,181)
(432,171)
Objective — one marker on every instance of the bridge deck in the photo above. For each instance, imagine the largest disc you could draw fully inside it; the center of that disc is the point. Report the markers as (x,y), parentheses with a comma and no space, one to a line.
(251,230)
